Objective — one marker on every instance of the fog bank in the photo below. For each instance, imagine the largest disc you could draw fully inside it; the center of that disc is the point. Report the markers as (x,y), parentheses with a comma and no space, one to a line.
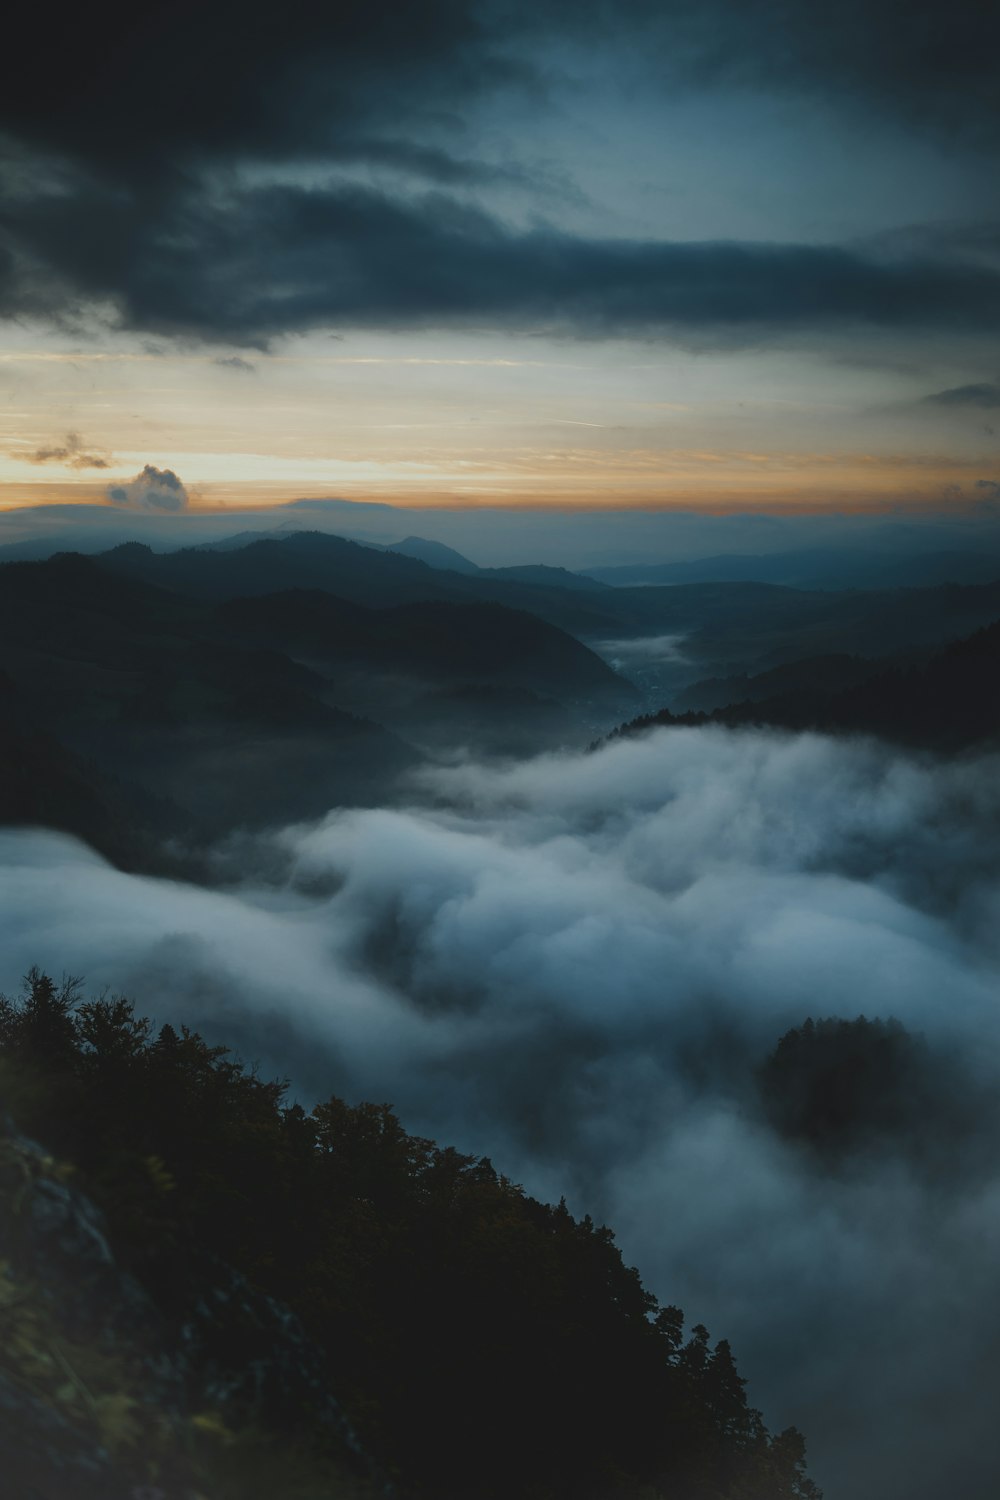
(574,965)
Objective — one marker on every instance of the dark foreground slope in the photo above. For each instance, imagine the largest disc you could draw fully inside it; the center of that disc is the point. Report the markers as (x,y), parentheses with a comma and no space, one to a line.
(948,702)
(325,1290)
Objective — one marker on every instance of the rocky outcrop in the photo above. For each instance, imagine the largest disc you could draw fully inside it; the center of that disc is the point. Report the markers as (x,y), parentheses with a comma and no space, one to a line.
(104,1395)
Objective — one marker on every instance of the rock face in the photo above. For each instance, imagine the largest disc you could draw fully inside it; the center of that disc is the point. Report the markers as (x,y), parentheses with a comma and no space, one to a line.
(106,1396)
(46,1458)
(60,1292)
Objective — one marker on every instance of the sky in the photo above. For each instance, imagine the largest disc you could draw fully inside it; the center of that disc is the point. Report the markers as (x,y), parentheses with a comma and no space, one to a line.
(472,253)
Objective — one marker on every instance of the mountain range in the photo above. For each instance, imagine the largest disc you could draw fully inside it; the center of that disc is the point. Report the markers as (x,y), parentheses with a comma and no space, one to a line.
(152,698)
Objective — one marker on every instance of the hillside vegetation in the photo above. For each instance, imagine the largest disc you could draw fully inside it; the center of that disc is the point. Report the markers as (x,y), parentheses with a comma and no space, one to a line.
(482,1344)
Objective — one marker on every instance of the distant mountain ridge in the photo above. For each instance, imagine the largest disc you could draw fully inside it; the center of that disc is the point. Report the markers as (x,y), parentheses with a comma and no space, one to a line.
(722,622)
(434,554)
(439,638)
(815,568)
(265,683)
(351,570)
(132,706)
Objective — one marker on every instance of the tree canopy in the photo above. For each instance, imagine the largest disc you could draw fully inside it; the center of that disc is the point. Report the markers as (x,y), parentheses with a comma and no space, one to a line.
(484,1343)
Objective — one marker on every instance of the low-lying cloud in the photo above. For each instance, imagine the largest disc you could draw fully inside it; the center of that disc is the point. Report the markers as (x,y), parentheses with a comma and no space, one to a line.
(153,489)
(575,965)
(650,649)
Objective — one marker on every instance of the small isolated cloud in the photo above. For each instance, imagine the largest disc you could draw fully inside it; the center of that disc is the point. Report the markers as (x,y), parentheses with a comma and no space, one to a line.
(71,451)
(153,489)
(985,396)
(235,362)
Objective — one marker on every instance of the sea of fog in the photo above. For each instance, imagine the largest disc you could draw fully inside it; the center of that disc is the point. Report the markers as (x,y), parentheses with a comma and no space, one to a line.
(574,965)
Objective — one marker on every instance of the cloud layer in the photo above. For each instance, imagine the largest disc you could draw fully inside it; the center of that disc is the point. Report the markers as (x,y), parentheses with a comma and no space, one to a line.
(291,189)
(257,263)
(338,78)
(575,965)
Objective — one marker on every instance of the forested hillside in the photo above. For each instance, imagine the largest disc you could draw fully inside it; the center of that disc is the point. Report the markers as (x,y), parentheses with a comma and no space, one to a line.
(480,1343)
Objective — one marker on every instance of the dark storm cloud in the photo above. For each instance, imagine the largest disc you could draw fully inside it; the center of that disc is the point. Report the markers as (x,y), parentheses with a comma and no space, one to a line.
(929,65)
(574,965)
(153,489)
(122,84)
(120,123)
(254,263)
(135,88)
(985,395)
